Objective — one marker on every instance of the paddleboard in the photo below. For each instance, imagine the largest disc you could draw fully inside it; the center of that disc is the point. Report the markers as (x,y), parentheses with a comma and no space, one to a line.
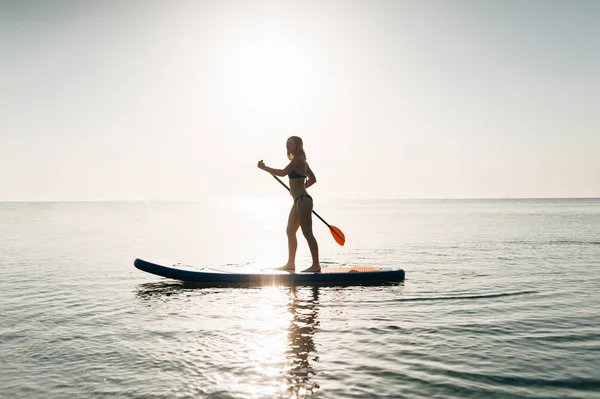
(215,276)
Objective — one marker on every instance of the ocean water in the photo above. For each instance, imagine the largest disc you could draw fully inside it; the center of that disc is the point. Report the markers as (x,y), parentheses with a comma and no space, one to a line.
(501,300)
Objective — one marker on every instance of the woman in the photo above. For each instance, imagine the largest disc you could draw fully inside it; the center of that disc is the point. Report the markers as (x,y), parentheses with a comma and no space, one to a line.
(301,177)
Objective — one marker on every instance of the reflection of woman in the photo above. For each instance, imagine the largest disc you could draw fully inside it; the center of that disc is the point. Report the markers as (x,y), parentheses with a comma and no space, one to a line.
(301,177)
(300,336)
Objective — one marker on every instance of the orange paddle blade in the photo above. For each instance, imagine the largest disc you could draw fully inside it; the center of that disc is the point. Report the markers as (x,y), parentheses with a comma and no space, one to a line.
(338,236)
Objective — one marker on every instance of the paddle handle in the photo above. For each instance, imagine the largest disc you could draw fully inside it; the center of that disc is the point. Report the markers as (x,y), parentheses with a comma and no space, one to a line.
(287,188)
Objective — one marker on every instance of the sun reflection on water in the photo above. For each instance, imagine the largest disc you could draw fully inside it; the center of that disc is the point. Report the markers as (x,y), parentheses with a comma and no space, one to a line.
(269,347)
(283,351)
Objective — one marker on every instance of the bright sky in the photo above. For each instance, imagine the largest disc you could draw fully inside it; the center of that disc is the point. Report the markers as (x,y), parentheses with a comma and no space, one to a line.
(112,100)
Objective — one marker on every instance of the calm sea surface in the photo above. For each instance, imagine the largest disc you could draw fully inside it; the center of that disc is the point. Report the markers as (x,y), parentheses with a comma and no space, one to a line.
(501,300)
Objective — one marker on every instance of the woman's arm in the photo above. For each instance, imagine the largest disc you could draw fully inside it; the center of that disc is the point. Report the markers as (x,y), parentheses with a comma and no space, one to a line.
(280,172)
(311,177)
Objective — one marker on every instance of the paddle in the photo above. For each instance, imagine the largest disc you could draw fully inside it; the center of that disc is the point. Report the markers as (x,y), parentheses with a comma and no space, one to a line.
(337,234)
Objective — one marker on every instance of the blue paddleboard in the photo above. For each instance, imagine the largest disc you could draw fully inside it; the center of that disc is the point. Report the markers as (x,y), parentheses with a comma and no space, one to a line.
(328,275)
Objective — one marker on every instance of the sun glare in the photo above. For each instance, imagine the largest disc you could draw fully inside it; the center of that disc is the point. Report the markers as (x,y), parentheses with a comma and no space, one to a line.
(269,75)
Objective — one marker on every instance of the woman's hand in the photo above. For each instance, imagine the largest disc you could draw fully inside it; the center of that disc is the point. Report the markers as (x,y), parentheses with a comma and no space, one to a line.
(261,165)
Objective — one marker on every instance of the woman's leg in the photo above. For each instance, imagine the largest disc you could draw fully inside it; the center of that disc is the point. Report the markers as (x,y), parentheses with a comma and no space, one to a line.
(305,207)
(292,227)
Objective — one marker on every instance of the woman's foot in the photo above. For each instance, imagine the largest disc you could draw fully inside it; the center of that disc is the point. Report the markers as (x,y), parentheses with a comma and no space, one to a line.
(312,269)
(287,267)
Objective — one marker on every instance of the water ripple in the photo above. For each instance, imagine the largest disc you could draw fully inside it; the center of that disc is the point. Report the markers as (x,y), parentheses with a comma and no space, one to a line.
(461,297)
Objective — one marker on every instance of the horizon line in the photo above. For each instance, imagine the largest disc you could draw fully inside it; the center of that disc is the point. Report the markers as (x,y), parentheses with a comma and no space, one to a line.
(198,200)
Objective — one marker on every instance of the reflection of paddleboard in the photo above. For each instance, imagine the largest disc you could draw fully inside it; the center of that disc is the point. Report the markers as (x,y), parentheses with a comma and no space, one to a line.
(328,275)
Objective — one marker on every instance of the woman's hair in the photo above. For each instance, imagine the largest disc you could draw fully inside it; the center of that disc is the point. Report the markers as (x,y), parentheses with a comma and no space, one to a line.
(299,147)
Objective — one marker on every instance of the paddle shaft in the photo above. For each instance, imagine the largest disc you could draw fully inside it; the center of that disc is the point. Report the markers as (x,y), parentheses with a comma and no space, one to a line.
(287,188)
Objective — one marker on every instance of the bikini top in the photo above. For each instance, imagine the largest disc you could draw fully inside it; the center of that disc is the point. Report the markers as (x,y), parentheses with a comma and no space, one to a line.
(295,175)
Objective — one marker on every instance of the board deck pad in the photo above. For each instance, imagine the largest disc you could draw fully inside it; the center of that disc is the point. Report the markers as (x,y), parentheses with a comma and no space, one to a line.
(349,269)
(217,276)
